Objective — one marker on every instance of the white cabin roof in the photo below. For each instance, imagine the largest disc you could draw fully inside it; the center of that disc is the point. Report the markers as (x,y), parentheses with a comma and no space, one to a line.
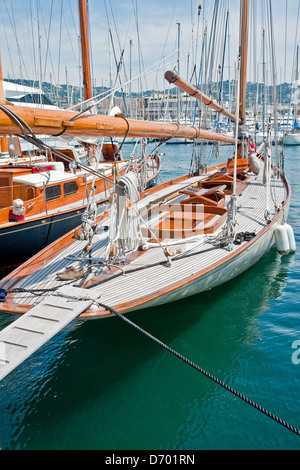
(39,179)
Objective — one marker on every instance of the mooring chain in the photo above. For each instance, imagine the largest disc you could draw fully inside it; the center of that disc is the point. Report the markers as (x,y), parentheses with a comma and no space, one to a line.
(172,351)
(204,372)
(36,291)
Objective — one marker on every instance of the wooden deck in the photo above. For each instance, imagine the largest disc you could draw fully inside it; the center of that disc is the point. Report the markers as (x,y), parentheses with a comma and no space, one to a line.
(145,275)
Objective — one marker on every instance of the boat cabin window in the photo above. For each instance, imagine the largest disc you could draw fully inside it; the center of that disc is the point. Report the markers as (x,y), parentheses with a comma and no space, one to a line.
(52,192)
(35,98)
(71,187)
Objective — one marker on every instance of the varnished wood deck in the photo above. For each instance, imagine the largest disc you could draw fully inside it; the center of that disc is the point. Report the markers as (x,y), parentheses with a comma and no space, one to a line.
(147,277)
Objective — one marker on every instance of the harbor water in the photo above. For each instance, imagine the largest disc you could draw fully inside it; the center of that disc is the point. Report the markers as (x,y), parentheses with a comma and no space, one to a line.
(102,385)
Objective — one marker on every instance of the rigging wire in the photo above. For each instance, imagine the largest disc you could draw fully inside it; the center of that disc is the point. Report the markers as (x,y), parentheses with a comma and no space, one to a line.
(68,32)
(162,58)
(140,56)
(121,50)
(293,78)
(48,37)
(7,44)
(60,31)
(14,29)
(153,68)
(32,37)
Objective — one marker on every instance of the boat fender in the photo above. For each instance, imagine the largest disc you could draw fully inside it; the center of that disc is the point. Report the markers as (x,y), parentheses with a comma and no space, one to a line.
(282,239)
(18,211)
(254,163)
(2,295)
(291,237)
(18,207)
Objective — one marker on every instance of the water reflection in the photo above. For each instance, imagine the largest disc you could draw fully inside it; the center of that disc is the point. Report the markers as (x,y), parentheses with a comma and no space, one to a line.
(91,361)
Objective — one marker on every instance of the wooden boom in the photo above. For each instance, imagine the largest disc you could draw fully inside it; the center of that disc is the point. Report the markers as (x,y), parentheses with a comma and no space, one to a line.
(171,77)
(69,123)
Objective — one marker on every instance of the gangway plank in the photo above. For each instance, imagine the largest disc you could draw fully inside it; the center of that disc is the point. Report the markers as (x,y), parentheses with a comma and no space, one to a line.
(28,333)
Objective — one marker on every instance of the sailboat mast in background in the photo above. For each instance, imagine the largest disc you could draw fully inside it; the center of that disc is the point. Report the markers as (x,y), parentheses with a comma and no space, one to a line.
(85,49)
(1,83)
(3,140)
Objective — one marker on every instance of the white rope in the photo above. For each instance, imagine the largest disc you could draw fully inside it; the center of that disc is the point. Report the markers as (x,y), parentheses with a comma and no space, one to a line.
(125,230)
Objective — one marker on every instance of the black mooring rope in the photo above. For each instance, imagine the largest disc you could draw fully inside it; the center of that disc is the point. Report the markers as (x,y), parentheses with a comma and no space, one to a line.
(204,372)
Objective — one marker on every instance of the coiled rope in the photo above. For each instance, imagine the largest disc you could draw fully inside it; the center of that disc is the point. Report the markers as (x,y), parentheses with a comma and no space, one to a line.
(204,372)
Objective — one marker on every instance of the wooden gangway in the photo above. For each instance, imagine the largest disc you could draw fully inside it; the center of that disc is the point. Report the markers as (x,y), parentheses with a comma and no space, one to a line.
(28,333)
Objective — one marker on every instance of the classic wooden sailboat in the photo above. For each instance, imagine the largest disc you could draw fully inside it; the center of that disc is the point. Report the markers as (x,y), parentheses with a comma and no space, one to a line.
(41,202)
(175,240)
(14,150)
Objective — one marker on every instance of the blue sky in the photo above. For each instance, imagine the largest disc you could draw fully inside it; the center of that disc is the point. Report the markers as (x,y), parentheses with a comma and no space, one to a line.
(40,37)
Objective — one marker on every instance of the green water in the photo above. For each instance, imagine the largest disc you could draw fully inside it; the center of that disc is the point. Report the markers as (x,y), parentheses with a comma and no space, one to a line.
(103,385)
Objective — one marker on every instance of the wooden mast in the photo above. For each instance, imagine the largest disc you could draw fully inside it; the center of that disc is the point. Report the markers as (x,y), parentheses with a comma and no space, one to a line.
(242,153)
(85,49)
(1,83)
(56,122)
(3,140)
(244,13)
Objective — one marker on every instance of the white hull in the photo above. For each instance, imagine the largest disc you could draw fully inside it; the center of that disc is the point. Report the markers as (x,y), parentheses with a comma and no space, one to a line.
(291,139)
(224,273)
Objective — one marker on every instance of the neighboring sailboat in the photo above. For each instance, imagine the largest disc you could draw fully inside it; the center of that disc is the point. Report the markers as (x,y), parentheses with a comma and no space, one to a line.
(19,150)
(44,195)
(293,137)
(175,240)
(41,202)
